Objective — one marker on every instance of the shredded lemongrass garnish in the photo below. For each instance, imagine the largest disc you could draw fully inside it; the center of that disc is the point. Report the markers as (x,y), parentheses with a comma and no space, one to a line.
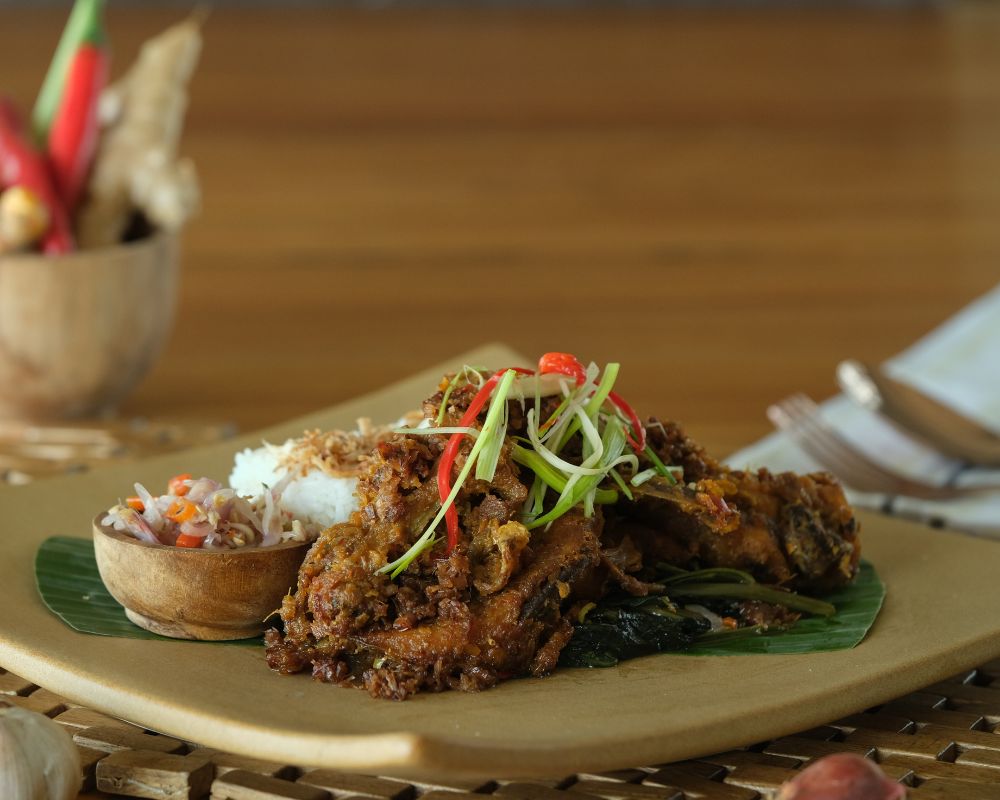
(614,444)
(551,477)
(446,429)
(621,483)
(533,500)
(579,412)
(593,405)
(640,478)
(659,466)
(536,500)
(593,451)
(498,404)
(603,389)
(554,417)
(591,438)
(550,456)
(564,418)
(486,464)
(587,407)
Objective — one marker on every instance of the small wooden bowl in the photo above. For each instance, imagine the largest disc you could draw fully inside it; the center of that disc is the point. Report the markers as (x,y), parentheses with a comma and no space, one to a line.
(212,595)
(77,332)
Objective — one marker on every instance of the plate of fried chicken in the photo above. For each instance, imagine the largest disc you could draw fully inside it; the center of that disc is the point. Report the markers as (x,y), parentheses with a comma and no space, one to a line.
(472,564)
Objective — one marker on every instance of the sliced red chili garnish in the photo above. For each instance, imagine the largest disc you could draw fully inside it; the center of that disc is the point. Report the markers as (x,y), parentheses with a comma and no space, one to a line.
(550,363)
(176,485)
(638,442)
(187,540)
(568,364)
(451,449)
(181,510)
(562,364)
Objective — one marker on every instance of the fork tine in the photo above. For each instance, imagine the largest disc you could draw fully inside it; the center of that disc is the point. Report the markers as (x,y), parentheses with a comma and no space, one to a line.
(893,482)
(800,416)
(856,469)
(809,416)
(789,418)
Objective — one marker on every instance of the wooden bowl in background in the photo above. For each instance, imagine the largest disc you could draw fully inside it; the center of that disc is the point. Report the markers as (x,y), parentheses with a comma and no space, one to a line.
(78,332)
(189,593)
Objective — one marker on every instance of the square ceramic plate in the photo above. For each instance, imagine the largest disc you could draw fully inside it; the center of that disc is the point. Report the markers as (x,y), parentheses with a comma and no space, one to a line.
(939,617)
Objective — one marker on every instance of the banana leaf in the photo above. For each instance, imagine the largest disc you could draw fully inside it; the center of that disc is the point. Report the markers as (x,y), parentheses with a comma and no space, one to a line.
(857,606)
(71,588)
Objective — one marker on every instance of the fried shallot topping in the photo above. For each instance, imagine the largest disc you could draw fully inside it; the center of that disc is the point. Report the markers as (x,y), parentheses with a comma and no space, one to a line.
(340,454)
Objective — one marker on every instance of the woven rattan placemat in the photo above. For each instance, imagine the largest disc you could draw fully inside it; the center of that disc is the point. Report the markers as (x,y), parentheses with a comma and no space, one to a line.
(943,742)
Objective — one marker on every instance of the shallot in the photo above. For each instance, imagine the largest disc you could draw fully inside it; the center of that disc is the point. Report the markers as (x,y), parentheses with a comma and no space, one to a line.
(842,776)
(201,513)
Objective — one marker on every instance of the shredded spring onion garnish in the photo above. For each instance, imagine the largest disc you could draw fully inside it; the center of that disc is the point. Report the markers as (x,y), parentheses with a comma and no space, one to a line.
(606,436)
(640,478)
(582,489)
(581,411)
(553,478)
(621,484)
(659,466)
(491,429)
(446,429)
(466,373)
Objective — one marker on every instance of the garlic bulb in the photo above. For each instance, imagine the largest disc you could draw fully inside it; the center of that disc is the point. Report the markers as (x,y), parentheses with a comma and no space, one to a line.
(38,760)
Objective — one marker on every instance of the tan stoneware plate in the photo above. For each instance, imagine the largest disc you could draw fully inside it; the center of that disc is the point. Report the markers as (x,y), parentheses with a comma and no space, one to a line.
(939,618)
(184,593)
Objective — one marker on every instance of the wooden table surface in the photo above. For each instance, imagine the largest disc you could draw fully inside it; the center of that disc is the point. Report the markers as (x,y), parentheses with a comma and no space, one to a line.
(726,202)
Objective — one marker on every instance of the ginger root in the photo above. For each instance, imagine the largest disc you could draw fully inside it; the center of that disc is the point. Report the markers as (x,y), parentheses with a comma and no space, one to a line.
(136,165)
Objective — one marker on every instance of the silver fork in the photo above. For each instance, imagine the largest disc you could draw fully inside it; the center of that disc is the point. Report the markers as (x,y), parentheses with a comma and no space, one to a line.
(800,417)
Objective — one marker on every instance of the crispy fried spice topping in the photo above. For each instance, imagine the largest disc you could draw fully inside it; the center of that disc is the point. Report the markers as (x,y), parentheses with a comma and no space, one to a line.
(340,454)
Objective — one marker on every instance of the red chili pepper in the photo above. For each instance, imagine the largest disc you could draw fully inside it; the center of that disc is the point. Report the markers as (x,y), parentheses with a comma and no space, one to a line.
(568,364)
(22,165)
(176,485)
(451,449)
(187,540)
(73,137)
(181,510)
(135,503)
(638,442)
(562,364)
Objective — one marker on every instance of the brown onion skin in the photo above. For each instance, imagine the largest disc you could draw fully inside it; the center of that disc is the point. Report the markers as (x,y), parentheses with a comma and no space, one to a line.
(842,776)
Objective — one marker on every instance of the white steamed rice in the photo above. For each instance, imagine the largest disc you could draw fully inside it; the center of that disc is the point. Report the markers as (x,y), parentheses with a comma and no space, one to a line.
(315,497)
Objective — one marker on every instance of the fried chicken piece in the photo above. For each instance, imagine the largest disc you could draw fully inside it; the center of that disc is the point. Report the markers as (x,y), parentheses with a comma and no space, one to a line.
(467,644)
(503,633)
(788,529)
(491,608)
(500,603)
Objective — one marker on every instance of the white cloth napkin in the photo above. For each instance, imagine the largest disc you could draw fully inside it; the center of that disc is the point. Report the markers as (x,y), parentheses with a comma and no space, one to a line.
(959,364)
